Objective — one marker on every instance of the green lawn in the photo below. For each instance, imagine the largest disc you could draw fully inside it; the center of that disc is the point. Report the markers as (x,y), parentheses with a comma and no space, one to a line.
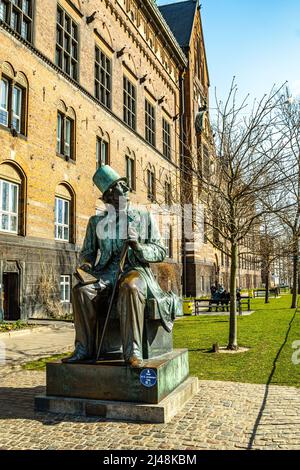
(266,332)
(269,333)
(18,325)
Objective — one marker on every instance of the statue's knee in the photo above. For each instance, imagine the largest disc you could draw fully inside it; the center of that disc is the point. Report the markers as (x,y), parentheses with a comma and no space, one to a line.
(132,284)
(128,286)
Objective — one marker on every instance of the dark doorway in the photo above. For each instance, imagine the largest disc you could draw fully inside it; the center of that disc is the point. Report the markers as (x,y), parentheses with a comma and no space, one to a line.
(11,296)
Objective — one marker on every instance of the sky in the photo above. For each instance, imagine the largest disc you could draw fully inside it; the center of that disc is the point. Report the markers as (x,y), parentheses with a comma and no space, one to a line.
(257,41)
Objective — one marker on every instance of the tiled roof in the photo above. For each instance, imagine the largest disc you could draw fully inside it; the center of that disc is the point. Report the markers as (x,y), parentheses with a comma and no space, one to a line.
(180,18)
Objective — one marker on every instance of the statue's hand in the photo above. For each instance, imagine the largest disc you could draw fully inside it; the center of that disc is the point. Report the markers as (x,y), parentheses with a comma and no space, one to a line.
(132,240)
(86,267)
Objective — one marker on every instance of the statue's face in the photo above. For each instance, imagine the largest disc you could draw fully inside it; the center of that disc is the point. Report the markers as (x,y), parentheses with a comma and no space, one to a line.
(117,195)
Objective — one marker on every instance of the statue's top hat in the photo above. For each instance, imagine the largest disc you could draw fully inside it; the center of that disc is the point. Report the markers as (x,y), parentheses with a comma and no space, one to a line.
(105,177)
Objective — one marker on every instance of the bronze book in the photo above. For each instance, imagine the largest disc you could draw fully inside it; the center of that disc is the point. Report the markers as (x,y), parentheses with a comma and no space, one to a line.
(85,277)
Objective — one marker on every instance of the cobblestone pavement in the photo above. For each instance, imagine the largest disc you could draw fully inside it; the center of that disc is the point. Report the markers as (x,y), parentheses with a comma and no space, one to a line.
(223,415)
(31,344)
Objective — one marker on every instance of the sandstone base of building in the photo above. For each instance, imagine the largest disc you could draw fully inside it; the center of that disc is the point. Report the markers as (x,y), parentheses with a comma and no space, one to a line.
(162,412)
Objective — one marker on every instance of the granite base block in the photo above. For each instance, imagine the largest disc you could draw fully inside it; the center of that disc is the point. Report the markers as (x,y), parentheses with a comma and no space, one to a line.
(114,410)
(116,381)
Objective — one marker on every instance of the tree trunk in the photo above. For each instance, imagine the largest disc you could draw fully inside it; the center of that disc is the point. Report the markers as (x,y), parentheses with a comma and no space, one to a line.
(267,285)
(233,345)
(295,273)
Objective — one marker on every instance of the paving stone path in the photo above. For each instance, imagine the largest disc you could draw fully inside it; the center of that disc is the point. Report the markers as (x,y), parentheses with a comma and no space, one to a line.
(31,344)
(223,415)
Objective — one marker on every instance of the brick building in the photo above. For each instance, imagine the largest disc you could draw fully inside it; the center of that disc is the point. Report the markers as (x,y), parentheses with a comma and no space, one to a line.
(82,83)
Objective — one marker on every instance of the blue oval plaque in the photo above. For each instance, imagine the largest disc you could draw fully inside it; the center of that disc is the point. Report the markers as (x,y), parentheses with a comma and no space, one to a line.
(148,378)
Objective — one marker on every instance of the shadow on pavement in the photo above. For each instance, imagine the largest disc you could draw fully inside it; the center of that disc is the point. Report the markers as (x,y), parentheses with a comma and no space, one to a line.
(265,399)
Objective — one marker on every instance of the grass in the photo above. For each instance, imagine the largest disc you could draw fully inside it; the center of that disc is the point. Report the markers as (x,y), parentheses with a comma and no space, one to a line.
(270,331)
(40,364)
(18,325)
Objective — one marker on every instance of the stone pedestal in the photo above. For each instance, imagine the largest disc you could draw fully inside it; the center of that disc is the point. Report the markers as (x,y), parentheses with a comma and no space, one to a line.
(112,389)
(125,411)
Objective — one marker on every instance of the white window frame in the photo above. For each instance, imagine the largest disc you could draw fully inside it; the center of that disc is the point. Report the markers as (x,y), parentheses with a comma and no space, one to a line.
(65,282)
(102,152)
(3,10)
(59,132)
(10,213)
(167,240)
(5,110)
(68,137)
(17,113)
(62,224)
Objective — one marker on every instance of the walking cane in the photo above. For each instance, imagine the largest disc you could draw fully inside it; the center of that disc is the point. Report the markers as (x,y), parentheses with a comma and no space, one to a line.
(120,271)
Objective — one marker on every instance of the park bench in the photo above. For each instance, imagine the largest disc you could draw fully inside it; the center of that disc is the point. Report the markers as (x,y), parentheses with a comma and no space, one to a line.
(210,304)
(244,300)
(262,292)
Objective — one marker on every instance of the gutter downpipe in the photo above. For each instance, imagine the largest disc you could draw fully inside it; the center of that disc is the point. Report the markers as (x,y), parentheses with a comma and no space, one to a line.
(182,147)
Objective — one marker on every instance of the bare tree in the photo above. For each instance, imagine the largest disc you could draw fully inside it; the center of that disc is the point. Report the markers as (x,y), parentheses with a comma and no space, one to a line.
(287,205)
(273,246)
(248,146)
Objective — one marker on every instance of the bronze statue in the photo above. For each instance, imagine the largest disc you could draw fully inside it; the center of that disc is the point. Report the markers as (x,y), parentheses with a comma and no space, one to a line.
(107,233)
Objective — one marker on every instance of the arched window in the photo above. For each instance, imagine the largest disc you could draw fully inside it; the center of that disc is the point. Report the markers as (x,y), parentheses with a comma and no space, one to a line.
(168,241)
(102,148)
(13,99)
(66,132)
(168,193)
(64,214)
(151,184)
(130,161)
(12,199)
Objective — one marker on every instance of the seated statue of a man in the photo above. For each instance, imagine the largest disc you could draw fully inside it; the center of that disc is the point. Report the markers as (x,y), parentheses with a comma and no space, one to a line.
(106,234)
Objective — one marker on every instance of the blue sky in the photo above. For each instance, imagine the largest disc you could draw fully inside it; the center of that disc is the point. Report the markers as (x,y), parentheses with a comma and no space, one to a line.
(258,41)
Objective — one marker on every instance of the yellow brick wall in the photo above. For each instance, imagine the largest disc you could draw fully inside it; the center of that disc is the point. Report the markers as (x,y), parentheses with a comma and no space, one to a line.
(36,154)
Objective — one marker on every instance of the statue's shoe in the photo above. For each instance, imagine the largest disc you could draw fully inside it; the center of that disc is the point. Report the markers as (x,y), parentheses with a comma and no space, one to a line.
(75,357)
(135,362)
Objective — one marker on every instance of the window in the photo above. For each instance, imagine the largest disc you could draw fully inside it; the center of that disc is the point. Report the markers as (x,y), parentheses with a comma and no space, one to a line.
(102,149)
(65,136)
(103,72)
(65,288)
(66,44)
(4,102)
(205,163)
(130,173)
(62,219)
(18,15)
(166,139)
(102,152)
(151,185)
(9,202)
(168,242)
(12,98)
(149,123)
(205,229)
(168,193)
(129,103)
(17,108)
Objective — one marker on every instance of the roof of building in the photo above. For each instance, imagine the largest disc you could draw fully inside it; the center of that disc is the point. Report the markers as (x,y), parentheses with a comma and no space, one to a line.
(180,18)
(158,18)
